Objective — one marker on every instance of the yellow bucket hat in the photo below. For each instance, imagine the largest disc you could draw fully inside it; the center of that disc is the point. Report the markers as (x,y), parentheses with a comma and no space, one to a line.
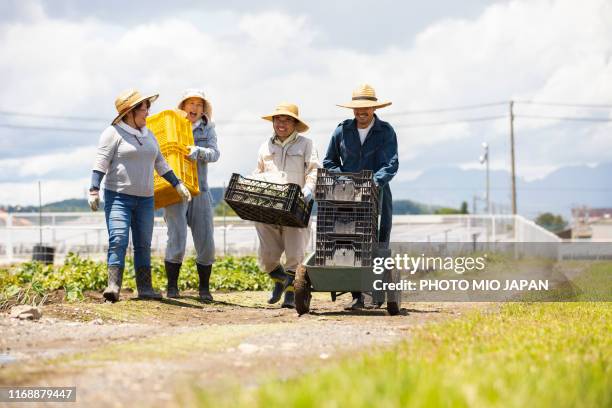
(127,100)
(288,109)
(364,97)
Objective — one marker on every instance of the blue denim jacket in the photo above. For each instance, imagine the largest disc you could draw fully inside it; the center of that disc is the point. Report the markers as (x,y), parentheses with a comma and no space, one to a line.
(205,138)
(378,152)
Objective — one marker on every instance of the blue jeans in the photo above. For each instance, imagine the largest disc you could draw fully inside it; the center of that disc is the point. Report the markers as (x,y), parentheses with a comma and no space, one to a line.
(124,211)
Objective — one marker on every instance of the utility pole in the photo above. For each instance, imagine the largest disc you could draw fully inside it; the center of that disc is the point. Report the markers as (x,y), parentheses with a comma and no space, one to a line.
(39,214)
(224,204)
(484,159)
(512,157)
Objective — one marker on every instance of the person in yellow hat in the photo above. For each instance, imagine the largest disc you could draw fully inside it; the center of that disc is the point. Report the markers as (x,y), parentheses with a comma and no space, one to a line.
(198,213)
(366,143)
(127,155)
(295,157)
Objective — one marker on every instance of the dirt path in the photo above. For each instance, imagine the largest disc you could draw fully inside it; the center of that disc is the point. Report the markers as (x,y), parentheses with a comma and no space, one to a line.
(145,353)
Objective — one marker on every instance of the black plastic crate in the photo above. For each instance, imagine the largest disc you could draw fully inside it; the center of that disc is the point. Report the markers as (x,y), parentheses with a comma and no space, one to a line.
(269,203)
(344,250)
(347,218)
(346,187)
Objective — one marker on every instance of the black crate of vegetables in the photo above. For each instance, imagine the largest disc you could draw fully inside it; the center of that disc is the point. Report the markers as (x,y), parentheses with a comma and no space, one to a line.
(266,202)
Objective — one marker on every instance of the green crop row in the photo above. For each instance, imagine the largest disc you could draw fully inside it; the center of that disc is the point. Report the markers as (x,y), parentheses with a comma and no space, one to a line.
(32,282)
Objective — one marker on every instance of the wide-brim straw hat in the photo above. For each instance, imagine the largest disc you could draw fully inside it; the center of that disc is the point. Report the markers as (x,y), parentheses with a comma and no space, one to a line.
(288,109)
(196,93)
(128,100)
(364,97)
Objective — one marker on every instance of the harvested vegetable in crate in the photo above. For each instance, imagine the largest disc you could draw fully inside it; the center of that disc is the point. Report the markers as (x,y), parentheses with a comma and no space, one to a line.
(266,202)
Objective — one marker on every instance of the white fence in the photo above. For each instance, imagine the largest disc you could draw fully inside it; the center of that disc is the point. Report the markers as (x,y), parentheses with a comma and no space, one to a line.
(86,234)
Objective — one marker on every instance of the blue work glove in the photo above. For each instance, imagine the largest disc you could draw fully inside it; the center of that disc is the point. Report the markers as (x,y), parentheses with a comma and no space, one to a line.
(307,194)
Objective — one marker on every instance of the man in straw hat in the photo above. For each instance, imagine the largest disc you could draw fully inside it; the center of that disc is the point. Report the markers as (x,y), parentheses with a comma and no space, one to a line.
(366,143)
(126,157)
(198,213)
(295,157)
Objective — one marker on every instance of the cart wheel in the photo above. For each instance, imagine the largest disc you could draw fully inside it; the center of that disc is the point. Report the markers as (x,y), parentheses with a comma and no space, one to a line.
(393,308)
(302,291)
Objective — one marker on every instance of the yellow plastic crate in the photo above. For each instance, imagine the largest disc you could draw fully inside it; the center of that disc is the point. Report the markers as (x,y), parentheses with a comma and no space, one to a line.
(170,127)
(173,133)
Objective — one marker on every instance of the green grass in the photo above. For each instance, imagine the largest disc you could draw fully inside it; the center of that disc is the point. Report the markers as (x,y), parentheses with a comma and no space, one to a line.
(525,354)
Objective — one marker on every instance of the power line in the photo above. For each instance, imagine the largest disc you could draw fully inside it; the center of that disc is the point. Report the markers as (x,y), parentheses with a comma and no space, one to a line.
(566,104)
(435,188)
(449,109)
(44,116)
(246,121)
(49,128)
(336,118)
(397,126)
(571,118)
(450,122)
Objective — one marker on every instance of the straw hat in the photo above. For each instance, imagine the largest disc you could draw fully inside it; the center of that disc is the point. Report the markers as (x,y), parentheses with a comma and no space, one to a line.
(288,109)
(196,93)
(364,97)
(127,100)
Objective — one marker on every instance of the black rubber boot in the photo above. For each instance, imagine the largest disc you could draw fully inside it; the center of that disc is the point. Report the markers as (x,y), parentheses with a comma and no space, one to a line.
(144,286)
(278,276)
(289,301)
(172,274)
(115,278)
(357,303)
(204,273)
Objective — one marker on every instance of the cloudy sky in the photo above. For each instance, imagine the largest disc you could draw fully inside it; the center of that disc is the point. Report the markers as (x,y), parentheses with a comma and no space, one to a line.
(63,62)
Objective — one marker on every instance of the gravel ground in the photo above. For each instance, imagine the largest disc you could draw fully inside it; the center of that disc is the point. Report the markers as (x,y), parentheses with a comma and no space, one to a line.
(137,353)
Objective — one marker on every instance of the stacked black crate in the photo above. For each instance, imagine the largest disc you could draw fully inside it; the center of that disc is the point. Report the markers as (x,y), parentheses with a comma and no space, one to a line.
(347,218)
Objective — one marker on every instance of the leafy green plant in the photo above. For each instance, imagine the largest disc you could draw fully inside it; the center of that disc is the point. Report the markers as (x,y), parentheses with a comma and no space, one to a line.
(31,282)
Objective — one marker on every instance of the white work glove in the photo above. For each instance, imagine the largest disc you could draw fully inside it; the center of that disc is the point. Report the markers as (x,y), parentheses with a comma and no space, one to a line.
(194,152)
(307,194)
(93,200)
(183,192)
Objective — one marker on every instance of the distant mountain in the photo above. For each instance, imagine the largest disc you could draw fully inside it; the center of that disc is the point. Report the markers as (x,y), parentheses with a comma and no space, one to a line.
(78,205)
(401,207)
(558,192)
(70,205)
(439,187)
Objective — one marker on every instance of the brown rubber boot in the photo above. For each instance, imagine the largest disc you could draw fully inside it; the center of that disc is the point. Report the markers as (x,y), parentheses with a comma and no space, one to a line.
(115,278)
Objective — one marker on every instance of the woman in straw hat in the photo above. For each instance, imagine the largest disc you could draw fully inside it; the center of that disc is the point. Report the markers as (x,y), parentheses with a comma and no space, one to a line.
(127,155)
(366,143)
(296,157)
(197,214)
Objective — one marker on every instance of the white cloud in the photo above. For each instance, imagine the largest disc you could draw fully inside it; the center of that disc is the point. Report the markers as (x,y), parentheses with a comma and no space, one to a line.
(40,165)
(275,30)
(542,49)
(52,190)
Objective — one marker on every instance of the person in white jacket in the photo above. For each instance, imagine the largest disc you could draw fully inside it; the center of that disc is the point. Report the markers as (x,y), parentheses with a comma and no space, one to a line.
(198,213)
(295,156)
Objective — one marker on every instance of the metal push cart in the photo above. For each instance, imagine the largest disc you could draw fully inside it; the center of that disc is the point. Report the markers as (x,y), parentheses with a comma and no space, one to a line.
(347,230)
